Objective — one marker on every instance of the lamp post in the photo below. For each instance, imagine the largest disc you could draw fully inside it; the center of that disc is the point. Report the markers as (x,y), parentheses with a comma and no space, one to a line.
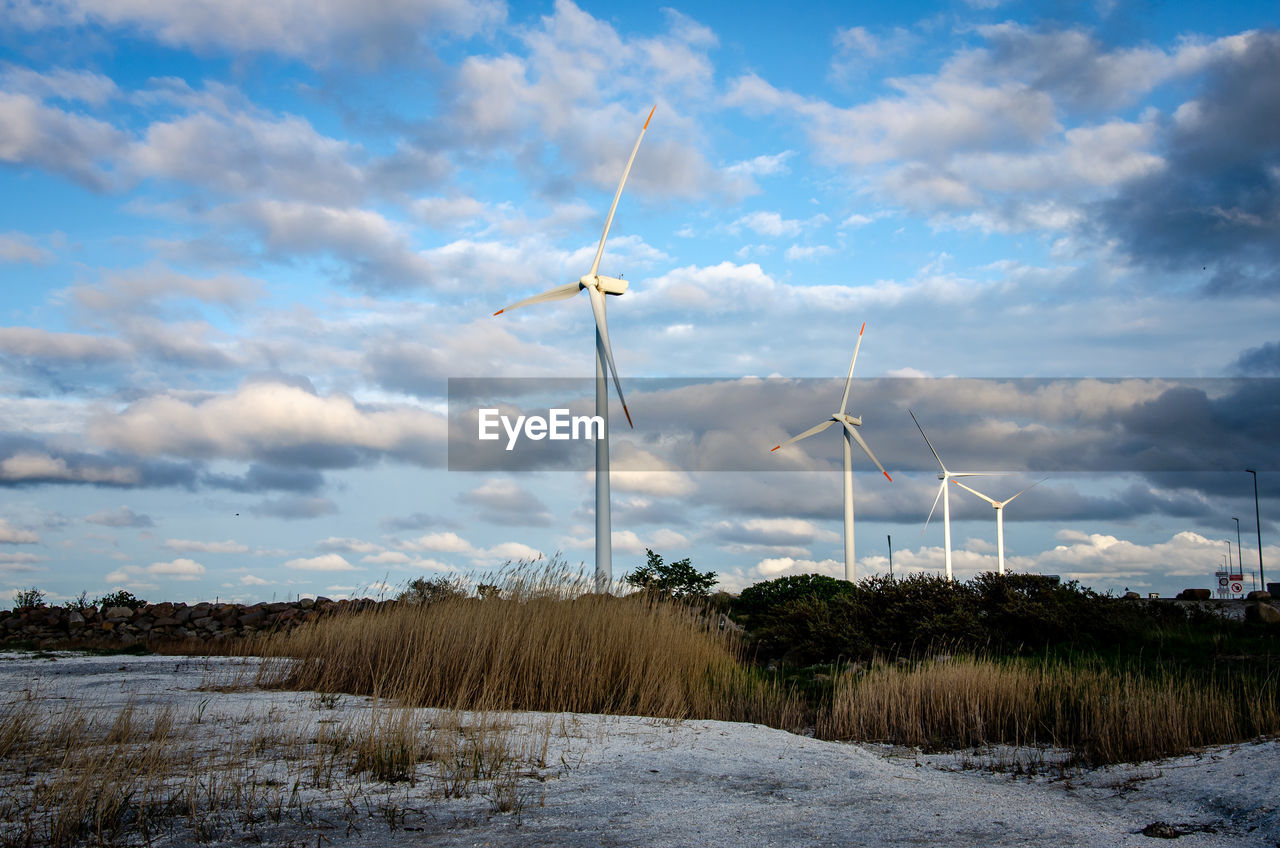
(890,538)
(1262,577)
(1239,550)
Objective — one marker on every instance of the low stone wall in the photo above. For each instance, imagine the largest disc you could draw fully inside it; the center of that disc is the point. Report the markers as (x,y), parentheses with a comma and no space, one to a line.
(51,627)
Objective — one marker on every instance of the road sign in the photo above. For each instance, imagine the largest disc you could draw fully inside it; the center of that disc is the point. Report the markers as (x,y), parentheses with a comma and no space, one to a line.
(1237,588)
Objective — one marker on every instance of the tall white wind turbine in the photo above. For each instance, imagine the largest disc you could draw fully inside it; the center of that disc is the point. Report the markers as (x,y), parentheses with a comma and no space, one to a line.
(944,475)
(850,436)
(597,287)
(999,507)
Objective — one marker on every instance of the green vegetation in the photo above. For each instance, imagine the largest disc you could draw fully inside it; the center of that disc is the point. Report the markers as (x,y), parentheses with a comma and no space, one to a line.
(677,580)
(119,598)
(32,597)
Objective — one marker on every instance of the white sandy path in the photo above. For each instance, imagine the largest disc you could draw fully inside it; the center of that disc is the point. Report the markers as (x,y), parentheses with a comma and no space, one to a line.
(644,782)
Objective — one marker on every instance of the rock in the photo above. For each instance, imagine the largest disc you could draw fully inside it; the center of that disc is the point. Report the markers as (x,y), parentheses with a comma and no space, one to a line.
(117,613)
(1261,612)
(306,603)
(1195,595)
(1258,595)
(1131,596)
(1161,830)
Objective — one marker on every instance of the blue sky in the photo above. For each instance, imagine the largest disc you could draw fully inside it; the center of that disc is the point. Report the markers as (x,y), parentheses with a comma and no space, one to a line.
(243,247)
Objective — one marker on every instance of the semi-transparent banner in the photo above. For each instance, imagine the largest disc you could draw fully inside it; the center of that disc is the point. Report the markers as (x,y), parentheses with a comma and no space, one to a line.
(1017,425)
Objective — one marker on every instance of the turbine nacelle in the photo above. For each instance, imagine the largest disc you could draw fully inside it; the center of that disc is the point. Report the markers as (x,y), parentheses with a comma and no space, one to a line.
(842,418)
(603,284)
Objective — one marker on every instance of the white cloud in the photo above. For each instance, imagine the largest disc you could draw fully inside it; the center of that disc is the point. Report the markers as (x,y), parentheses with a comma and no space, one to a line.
(387,558)
(32,465)
(178,569)
(76,146)
(45,344)
(260,418)
(318,31)
(324,562)
(194,546)
(10,535)
(447,542)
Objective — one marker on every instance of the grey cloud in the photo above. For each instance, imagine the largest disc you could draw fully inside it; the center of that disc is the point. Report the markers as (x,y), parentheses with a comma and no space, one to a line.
(26,461)
(417,521)
(501,501)
(73,145)
(264,478)
(1214,211)
(1261,361)
(120,517)
(296,508)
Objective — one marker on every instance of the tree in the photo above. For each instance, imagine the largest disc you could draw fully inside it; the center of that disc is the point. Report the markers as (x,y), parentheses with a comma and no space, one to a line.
(676,580)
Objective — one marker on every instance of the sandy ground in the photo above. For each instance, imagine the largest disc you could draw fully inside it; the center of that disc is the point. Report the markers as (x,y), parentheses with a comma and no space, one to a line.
(628,781)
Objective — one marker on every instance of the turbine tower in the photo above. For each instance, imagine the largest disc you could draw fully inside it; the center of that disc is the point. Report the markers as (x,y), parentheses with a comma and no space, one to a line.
(597,287)
(999,507)
(944,475)
(850,436)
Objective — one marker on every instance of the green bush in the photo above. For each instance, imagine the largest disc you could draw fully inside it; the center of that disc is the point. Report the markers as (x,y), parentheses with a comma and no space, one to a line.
(423,591)
(119,598)
(809,619)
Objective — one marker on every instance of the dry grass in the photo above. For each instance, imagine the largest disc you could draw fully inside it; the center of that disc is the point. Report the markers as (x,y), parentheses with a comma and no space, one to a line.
(1102,715)
(547,645)
(80,776)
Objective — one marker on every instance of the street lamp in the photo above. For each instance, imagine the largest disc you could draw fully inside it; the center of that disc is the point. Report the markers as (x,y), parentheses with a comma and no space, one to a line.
(1239,550)
(1262,578)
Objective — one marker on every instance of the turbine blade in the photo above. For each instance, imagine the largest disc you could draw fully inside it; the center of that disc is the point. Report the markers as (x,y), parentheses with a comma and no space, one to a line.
(932,508)
(806,434)
(857,437)
(845,400)
(991,501)
(557,293)
(597,306)
(595,265)
(930,444)
(1029,488)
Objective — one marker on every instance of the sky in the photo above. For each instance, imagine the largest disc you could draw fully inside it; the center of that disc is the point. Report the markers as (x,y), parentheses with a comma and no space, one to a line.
(245,247)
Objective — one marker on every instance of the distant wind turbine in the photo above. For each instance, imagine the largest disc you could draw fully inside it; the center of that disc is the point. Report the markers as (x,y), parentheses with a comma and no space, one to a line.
(999,507)
(850,436)
(597,287)
(943,492)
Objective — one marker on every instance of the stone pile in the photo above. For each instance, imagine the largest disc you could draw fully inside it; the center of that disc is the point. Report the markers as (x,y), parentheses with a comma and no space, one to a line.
(50,627)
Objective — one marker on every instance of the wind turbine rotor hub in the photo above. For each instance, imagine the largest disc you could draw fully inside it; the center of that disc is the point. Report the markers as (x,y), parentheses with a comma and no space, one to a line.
(604,285)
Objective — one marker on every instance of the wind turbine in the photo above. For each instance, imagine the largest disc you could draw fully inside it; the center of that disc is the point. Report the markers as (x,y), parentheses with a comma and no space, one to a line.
(597,287)
(850,436)
(943,492)
(999,507)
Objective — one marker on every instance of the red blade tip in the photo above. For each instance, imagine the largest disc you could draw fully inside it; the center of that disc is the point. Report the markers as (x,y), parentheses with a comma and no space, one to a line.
(627,412)
(500,311)
(864,326)
(887,477)
(771,450)
(646,120)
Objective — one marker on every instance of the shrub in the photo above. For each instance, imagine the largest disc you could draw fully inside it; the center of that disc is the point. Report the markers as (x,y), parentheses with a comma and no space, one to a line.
(811,618)
(119,598)
(422,591)
(32,597)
